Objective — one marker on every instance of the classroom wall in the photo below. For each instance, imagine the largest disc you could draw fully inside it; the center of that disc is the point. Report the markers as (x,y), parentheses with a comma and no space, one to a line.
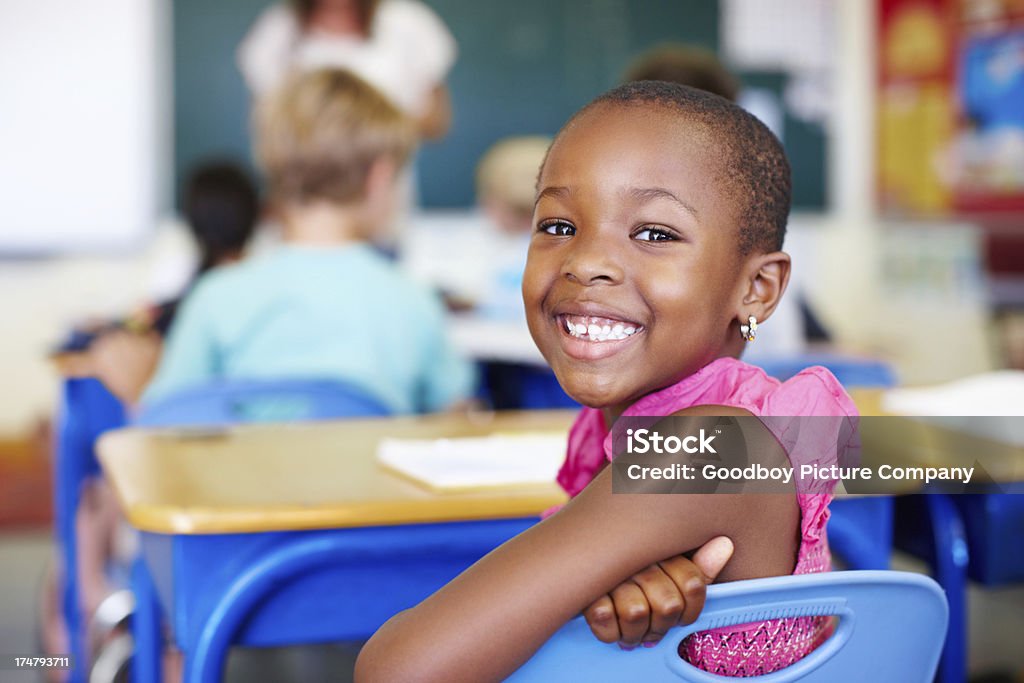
(930,336)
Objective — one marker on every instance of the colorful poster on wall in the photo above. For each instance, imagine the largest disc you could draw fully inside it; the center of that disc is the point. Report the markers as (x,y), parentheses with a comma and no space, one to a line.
(951,107)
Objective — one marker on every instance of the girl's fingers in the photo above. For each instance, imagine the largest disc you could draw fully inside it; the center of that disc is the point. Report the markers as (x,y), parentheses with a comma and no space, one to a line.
(634,613)
(601,618)
(669,593)
(712,557)
(665,600)
(691,583)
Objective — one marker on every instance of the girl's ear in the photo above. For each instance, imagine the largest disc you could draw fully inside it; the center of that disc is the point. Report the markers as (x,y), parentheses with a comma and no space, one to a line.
(765,283)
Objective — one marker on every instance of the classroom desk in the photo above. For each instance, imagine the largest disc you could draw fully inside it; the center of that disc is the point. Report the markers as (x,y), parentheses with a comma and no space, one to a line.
(909,441)
(301,522)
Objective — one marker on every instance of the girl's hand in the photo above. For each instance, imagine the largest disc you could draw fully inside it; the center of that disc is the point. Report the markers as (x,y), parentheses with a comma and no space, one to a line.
(642,609)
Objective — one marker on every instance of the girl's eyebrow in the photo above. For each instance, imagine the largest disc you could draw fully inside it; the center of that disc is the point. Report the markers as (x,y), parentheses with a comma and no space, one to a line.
(648,193)
(552,191)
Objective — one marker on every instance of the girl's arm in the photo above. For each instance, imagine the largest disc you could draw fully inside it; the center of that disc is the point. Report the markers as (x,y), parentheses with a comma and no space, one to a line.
(490,619)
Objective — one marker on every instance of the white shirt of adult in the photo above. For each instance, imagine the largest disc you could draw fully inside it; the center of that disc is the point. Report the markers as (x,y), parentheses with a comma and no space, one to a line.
(406,56)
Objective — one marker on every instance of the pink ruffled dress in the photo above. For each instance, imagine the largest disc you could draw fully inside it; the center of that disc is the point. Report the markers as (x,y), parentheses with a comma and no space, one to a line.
(745,649)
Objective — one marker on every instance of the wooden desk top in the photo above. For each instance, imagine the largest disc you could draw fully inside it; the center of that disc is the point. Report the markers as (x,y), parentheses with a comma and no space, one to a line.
(915,442)
(236,480)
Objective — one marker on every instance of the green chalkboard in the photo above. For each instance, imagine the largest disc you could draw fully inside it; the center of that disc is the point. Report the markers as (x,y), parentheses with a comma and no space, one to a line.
(211,102)
(524,67)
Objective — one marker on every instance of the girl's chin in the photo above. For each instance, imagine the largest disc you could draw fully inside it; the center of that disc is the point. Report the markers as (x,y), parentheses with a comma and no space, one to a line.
(592,392)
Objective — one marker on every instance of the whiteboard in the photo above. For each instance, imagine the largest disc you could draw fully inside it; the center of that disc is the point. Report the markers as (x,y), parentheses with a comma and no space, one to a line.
(84,123)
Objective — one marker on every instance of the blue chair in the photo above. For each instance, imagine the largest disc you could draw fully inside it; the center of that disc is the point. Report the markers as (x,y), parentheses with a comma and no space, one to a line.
(891,629)
(218,405)
(520,386)
(849,370)
(85,411)
(241,401)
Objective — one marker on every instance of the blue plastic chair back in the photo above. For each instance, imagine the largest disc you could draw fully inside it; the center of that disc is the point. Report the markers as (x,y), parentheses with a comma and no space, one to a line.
(891,628)
(86,410)
(233,402)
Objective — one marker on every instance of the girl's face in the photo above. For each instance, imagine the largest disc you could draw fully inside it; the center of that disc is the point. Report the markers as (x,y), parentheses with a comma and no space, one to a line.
(633,277)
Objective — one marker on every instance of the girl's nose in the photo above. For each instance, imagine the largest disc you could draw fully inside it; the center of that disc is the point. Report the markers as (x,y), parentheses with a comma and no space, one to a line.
(590,262)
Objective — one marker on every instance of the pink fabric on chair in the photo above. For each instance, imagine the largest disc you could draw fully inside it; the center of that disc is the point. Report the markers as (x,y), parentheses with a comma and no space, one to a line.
(745,649)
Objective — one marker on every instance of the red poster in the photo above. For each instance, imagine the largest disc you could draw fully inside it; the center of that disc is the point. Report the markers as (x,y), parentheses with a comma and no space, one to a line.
(951,107)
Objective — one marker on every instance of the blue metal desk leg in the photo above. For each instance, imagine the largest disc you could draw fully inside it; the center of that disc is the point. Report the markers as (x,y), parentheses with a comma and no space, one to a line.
(147,662)
(950,543)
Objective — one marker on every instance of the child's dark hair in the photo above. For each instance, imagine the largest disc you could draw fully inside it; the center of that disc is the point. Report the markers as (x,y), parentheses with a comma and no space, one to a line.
(688,65)
(752,160)
(221,205)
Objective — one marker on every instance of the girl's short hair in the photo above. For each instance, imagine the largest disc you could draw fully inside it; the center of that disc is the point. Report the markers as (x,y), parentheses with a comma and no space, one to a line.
(318,136)
(751,161)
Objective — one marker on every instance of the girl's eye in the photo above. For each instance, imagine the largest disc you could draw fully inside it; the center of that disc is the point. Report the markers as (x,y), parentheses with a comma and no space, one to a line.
(649,234)
(559,228)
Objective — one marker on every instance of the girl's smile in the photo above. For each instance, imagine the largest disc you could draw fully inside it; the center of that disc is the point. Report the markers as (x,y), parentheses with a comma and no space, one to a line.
(633,276)
(592,332)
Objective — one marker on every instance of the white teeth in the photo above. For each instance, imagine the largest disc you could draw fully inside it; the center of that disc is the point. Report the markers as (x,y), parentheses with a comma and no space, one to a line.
(598,332)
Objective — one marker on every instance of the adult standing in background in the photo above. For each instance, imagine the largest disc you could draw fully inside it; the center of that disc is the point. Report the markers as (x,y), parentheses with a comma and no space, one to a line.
(401,47)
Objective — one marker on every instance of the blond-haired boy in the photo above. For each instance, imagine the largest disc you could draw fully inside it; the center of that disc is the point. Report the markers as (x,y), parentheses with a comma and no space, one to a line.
(325,304)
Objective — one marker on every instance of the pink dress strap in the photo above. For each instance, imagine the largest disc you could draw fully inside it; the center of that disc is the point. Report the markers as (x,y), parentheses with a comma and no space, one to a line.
(747,649)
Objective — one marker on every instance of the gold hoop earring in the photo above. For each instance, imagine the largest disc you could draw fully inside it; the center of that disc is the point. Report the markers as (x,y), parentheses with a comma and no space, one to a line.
(749,331)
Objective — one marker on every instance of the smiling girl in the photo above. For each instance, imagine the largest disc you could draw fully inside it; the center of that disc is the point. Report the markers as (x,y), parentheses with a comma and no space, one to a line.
(659,223)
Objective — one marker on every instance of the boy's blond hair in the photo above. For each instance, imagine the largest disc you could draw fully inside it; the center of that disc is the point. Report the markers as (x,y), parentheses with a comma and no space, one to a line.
(508,171)
(319,135)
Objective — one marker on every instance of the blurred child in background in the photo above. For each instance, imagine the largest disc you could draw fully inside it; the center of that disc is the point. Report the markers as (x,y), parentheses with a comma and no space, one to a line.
(686,65)
(506,182)
(221,208)
(324,304)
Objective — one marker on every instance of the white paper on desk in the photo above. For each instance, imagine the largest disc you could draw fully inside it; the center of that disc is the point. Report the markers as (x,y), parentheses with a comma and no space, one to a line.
(983,405)
(476,462)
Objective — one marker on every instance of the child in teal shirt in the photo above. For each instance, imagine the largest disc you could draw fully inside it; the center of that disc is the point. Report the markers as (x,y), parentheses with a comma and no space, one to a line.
(324,305)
